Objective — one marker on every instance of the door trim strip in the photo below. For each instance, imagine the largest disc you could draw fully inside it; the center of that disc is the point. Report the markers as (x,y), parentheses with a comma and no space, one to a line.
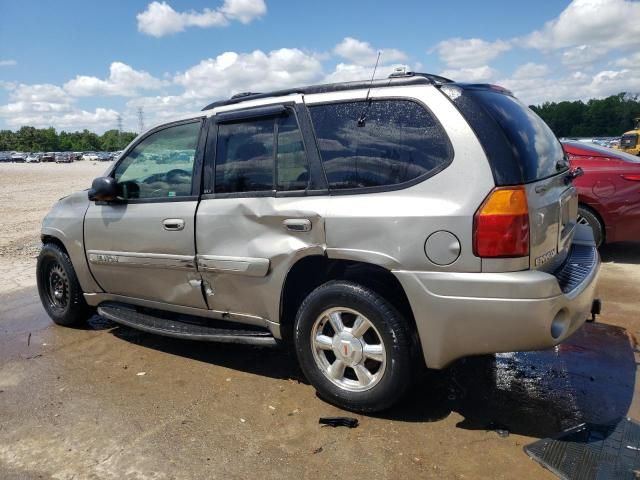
(250,266)
(143,260)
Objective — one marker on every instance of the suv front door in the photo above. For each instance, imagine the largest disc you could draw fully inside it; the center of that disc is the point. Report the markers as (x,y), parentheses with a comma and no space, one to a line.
(142,245)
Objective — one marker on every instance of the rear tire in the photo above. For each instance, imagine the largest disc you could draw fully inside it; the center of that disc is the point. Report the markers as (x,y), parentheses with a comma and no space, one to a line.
(354,347)
(59,289)
(587,217)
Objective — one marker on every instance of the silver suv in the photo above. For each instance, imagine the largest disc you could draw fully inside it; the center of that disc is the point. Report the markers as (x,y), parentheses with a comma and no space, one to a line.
(374,227)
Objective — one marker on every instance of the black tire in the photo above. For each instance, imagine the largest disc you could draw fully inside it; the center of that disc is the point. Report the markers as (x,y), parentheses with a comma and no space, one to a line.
(59,289)
(390,328)
(594,222)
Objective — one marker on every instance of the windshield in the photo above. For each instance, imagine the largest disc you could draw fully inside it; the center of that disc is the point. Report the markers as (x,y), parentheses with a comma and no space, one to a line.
(599,151)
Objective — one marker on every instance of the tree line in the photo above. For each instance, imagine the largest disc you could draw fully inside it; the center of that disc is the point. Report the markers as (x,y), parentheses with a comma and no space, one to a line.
(30,139)
(606,117)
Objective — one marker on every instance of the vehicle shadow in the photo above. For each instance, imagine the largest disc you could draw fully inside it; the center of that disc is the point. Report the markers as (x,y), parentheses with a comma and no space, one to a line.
(588,378)
(264,361)
(623,252)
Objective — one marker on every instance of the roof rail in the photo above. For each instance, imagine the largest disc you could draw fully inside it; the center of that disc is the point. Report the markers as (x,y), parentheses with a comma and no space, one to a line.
(395,79)
(244,94)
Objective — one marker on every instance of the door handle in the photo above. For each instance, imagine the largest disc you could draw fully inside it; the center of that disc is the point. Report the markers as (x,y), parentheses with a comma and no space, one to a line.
(297,224)
(173,224)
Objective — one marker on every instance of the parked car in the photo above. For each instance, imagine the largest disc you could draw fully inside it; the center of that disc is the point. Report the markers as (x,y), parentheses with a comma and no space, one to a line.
(372,227)
(103,157)
(64,157)
(48,157)
(33,158)
(91,156)
(609,191)
(18,157)
(5,157)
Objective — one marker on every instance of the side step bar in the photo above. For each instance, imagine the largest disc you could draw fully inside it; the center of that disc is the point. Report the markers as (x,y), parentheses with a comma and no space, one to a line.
(184,326)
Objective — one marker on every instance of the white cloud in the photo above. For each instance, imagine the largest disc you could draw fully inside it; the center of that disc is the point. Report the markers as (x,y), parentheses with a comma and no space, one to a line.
(123,80)
(362,53)
(8,63)
(573,86)
(245,11)
(160,19)
(605,23)
(475,74)
(467,53)
(232,72)
(630,61)
(44,105)
(531,70)
(582,56)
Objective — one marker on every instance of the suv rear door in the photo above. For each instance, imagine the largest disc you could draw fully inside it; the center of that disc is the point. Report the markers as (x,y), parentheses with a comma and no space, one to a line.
(261,210)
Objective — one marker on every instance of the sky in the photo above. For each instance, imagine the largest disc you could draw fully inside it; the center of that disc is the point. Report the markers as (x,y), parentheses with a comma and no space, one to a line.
(75,64)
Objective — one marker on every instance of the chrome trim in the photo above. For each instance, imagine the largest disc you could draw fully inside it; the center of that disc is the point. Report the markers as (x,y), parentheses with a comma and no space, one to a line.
(250,266)
(144,260)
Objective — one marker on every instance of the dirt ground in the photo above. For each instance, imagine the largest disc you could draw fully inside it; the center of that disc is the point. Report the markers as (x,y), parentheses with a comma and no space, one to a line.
(107,402)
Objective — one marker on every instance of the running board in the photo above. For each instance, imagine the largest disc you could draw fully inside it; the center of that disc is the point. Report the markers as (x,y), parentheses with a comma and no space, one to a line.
(184,326)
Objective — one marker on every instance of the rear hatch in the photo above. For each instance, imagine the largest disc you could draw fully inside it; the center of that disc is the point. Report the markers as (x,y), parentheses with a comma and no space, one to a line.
(524,151)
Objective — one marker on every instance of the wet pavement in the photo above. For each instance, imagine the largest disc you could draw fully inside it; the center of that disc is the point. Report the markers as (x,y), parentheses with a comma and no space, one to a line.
(111,402)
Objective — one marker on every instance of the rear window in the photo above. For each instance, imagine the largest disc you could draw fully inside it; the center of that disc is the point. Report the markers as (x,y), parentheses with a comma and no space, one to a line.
(521,148)
(629,141)
(536,149)
(398,141)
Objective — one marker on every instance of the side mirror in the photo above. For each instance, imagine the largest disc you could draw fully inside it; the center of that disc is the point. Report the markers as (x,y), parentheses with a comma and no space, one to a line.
(103,189)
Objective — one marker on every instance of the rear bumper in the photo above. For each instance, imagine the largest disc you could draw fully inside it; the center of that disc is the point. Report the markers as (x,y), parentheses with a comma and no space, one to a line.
(461,314)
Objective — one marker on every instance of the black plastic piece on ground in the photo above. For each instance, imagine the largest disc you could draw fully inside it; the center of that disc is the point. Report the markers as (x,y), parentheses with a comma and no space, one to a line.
(591,451)
(339,421)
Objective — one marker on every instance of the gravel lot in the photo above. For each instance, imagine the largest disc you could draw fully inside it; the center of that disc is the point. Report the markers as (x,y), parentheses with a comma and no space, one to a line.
(109,402)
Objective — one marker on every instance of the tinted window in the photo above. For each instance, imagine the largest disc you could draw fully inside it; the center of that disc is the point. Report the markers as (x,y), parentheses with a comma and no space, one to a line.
(161,165)
(398,141)
(293,171)
(536,150)
(245,154)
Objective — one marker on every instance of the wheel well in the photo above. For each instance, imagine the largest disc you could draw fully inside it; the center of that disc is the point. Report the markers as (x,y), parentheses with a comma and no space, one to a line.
(599,217)
(49,239)
(310,272)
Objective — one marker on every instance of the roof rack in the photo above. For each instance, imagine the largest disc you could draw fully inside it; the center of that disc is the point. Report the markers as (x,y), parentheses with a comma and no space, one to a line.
(397,78)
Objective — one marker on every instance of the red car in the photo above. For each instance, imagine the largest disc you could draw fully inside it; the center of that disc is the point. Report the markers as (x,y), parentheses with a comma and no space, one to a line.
(609,191)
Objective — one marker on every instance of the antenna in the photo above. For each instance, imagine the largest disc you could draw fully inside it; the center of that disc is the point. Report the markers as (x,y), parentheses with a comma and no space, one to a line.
(140,119)
(363,116)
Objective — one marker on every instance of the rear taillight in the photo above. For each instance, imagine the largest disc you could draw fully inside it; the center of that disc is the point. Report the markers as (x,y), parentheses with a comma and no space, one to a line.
(501,224)
(632,178)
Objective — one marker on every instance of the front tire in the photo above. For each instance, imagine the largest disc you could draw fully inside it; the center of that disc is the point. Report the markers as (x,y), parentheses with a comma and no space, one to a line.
(59,289)
(587,217)
(354,347)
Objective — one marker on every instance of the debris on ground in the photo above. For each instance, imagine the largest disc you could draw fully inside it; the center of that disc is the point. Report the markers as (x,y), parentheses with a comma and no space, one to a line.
(349,422)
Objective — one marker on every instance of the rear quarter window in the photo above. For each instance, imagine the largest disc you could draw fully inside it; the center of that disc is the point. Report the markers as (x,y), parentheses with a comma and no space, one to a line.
(399,141)
(521,148)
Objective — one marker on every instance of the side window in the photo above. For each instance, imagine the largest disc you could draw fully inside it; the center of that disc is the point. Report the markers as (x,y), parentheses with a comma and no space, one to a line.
(398,141)
(293,170)
(244,156)
(161,165)
(245,153)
